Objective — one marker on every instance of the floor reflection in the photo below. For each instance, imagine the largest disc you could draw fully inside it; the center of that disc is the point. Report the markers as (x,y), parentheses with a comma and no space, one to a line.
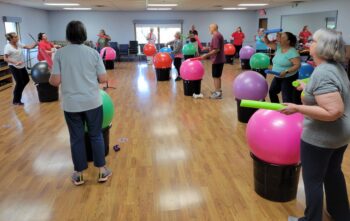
(161,130)
(176,199)
(170,155)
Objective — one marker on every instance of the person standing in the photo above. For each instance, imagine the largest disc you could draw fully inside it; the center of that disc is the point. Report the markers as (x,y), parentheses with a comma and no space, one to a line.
(45,46)
(103,40)
(13,55)
(260,45)
(216,53)
(326,129)
(151,39)
(287,63)
(304,35)
(177,51)
(238,39)
(79,69)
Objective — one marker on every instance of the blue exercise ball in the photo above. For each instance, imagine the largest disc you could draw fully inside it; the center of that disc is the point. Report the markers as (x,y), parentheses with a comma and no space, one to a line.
(305,70)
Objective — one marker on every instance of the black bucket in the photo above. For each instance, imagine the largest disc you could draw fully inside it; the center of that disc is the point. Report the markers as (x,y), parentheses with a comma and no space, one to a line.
(244,113)
(188,56)
(229,59)
(163,74)
(278,183)
(109,65)
(260,71)
(47,92)
(245,64)
(105,133)
(192,87)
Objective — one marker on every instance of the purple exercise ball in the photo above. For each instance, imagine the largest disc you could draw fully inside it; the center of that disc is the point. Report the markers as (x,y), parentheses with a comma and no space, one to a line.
(250,85)
(246,52)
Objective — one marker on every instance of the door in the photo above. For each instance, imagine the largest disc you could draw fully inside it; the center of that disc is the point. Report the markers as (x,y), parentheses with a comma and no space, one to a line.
(263,23)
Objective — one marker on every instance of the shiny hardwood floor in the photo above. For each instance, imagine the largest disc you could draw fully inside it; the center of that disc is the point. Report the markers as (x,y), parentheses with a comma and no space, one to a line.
(181,159)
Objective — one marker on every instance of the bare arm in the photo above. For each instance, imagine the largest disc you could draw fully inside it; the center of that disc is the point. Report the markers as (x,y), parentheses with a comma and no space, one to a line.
(212,52)
(31,46)
(296,65)
(102,78)
(269,43)
(330,107)
(55,80)
(9,60)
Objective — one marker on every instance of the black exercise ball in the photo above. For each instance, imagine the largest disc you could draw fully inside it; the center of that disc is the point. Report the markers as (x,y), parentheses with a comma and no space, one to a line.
(40,73)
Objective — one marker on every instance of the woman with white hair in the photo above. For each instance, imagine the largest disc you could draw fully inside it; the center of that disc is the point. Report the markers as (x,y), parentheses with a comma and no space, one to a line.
(326,132)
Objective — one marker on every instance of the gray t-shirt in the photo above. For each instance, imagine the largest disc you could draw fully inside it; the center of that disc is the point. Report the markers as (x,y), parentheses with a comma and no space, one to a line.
(328,78)
(79,67)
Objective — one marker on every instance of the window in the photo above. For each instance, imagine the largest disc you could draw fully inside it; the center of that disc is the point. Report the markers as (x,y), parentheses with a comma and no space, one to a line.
(163,32)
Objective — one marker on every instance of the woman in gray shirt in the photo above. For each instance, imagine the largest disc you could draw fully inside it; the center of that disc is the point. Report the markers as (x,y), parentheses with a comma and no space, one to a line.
(326,133)
(79,69)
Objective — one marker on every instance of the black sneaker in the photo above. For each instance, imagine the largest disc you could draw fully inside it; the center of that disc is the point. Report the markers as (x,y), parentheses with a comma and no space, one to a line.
(77,178)
(103,177)
(18,103)
(178,79)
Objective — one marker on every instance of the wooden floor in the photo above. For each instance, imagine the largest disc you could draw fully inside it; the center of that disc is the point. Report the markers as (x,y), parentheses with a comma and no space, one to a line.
(181,159)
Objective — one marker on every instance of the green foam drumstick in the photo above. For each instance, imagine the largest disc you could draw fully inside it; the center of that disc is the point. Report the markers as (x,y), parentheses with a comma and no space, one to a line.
(261,105)
(297,82)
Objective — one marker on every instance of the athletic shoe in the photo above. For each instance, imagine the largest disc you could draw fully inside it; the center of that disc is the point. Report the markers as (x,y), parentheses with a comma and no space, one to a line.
(103,177)
(77,178)
(292,218)
(216,95)
(18,103)
(178,78)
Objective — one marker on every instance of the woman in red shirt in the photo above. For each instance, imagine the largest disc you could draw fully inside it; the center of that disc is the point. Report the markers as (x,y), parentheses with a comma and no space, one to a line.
(238,38)
(304,35)
(44,46)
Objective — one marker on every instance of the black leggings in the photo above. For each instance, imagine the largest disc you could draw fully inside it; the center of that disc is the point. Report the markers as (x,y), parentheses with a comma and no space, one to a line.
(238,49)
(322,167)
(21,78)
(177,64)
(289,93)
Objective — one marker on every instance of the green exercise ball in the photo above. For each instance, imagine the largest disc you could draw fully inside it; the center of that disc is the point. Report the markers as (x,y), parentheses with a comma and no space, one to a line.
(189,49)
(108,110)
(259,61)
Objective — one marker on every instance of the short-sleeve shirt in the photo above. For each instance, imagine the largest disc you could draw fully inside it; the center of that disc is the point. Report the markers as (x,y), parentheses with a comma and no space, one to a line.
(238,38)
(151,38)
(305,35)
(15,54)
(46,46)
(281,61)
(260,45)
(79,67)
(328,78)
(217,42)
(103,41)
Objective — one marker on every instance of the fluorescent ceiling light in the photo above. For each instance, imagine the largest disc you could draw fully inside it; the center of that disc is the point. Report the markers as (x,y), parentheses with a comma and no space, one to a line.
(234,8)
(253,4)
(162,5)
(62,4)
(78,9)
(159,9)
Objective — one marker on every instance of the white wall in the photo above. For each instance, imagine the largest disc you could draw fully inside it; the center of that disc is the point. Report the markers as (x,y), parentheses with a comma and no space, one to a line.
(314,21)
(343,7)
(33,22)
(119,25)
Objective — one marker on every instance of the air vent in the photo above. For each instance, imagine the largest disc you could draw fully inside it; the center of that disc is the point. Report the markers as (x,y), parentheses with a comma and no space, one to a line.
(100,6)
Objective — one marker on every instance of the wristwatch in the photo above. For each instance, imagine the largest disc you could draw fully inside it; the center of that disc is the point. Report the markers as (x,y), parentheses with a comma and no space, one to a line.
(287,71)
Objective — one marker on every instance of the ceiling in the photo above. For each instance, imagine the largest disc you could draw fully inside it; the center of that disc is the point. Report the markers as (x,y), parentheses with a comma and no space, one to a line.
(140,5)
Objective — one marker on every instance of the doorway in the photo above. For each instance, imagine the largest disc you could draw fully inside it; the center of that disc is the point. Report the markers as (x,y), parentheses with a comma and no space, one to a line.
(263,23)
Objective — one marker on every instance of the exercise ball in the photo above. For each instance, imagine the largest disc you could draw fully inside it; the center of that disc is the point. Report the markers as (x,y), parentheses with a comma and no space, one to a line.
(305,70)
(165,49)
(192,70)
(246,52)
(274,137)
(149,49)
(189,49)
(108,54)
(250,85)
(40,72)
(162,60)
(259,61)
(229,49)
(108,109)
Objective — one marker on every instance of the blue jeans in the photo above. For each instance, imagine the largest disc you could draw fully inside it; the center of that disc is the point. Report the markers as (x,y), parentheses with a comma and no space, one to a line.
(322,167)
(76,126)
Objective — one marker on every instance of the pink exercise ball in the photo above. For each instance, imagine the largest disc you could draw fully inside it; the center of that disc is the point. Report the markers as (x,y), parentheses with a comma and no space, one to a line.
(250,85)
(274,137)
(246,52)
(192,70)
(108,54)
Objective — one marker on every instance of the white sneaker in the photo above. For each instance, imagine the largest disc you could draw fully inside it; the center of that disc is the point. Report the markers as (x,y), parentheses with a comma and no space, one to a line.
(216,95)
(292,218)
